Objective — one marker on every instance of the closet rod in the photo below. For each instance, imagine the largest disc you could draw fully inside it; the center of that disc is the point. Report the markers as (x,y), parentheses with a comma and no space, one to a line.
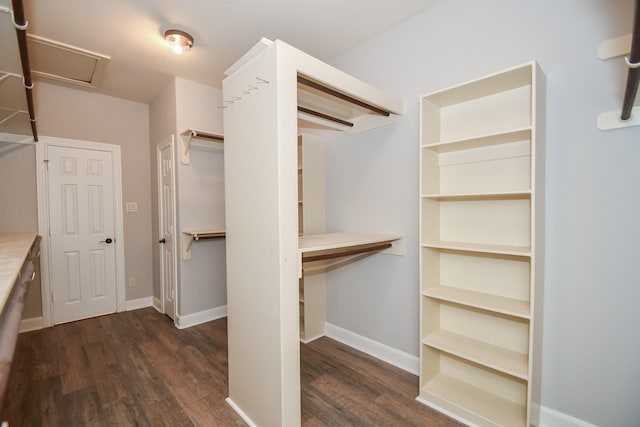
(207,237)
(204,135)
(335,93)
(21,31)
(356,251)
(325,116)
(633,76)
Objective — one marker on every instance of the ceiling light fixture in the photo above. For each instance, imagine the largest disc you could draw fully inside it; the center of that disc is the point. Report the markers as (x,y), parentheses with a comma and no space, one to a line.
(179,40)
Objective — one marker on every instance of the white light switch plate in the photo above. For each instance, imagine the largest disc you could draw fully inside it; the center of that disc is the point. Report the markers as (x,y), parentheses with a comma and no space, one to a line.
(132,207)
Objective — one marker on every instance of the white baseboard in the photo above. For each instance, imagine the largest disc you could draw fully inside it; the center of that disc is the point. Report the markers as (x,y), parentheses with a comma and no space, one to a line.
(240,412)
(134,304)
(157,304)
(200,317)
(31,324)
(374,348)
(552,418)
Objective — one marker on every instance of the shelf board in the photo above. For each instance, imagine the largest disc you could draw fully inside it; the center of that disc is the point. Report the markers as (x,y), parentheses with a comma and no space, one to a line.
(497,358)
(494,303)
(468,401)
(501,195)
(523,251)
(188,237)
(512,135)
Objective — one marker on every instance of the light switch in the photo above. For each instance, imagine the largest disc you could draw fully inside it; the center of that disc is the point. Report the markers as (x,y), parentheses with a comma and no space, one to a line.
(132,207)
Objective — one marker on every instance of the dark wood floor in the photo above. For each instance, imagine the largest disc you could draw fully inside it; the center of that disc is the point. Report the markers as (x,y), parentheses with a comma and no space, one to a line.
(137,369)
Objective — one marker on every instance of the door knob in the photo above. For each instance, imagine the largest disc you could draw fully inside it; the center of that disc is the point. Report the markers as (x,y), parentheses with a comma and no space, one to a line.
(108,240)
(162,241)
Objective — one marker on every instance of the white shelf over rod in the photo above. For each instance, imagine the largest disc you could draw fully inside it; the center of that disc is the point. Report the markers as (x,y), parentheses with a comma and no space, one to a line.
(188,237)
(198,138)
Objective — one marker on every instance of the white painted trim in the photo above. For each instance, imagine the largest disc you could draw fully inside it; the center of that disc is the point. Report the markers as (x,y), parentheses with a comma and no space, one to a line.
(611,119)
(43,218)
(157,304)
(376,349)
(200,317)
(31,324)
(240,412)
(135,304)
(552,418)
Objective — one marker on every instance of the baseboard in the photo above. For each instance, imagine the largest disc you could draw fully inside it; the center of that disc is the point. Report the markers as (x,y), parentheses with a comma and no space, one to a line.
(200,317)
(240,412)
(31,324)
(552,418)
(374,348)
(134,304)
(157,304)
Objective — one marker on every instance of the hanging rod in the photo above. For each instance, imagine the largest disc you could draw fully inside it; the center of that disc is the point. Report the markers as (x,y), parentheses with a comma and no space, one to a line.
(206,135)
(343,253)
(633,76)
(336,94)
(20,23)
(325,116)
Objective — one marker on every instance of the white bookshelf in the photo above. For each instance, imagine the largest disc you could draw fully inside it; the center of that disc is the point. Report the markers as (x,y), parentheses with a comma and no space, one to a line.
(481,234)
(311,220)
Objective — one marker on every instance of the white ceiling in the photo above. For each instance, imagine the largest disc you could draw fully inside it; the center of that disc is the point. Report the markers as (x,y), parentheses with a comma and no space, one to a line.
(129,31)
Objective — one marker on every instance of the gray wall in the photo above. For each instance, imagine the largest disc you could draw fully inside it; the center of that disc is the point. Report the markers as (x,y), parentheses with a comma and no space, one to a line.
(591,347)
(77,114)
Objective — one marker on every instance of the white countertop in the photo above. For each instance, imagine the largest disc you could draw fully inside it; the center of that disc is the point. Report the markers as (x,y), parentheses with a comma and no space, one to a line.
(14,248)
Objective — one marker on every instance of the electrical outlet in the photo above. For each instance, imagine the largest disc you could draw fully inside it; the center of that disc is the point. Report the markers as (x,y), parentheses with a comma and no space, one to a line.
(132,282)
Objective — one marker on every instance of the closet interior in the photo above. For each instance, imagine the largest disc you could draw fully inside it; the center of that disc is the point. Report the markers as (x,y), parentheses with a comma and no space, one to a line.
(275,219)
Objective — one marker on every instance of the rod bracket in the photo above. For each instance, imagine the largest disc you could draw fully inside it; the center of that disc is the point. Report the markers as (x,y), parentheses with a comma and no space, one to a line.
(631,64)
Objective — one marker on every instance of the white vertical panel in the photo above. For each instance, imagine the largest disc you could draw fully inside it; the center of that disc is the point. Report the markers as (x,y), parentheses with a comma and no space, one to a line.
(72,276)
(68,166)
(96,209)
(69,195)
(98,285)
(94,167)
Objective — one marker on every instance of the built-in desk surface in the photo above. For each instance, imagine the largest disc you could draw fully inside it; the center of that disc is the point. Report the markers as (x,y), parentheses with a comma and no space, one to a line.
(14,249)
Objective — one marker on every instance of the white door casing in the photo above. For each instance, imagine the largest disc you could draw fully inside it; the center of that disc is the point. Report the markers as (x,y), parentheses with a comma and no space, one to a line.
(80,199)
(167,226)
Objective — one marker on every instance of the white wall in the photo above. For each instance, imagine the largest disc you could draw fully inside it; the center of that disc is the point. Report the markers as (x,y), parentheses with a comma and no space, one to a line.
(591,347)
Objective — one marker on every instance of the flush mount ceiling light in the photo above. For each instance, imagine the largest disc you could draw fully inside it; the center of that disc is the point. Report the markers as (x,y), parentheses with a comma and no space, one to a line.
(179,40)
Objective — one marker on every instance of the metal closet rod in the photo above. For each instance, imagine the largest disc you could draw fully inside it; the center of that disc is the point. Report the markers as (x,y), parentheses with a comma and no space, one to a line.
(325,116)
(339,95)
(204,135)
(348,252)
(21,32)
(633,76)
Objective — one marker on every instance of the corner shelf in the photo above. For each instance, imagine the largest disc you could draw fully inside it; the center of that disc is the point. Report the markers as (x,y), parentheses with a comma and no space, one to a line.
(198,138)
(188,237)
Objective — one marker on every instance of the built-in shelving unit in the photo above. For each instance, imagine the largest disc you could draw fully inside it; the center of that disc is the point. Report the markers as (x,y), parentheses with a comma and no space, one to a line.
(311,220)
(481,234)
(198,138)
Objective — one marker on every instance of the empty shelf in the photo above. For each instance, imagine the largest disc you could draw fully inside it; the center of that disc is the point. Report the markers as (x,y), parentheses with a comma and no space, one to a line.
(332,245)
(188,237)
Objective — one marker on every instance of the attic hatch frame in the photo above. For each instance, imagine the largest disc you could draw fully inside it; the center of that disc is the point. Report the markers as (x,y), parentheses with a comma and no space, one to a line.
(21,25)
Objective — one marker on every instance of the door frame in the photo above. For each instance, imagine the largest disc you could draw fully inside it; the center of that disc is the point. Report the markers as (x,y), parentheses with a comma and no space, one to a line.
(42,185)
(170,142)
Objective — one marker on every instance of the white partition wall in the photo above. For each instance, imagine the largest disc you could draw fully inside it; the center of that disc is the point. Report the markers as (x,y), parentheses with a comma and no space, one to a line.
(262,240)
(264,96)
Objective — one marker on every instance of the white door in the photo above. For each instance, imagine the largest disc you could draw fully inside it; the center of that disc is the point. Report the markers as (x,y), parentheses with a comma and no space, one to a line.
(167,227)
(82,232)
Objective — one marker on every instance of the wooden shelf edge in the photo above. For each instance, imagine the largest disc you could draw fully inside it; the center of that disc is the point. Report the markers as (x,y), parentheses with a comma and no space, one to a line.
(496,138)
(519,251)
(465,297)
(498,195)
(470,404)
(484,354)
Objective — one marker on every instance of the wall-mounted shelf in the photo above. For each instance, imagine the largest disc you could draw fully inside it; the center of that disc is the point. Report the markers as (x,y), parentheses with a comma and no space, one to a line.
(198,138)
(188,237)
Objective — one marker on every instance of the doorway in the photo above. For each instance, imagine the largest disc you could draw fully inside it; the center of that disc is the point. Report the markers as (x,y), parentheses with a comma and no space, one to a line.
(80,220)
(167,228)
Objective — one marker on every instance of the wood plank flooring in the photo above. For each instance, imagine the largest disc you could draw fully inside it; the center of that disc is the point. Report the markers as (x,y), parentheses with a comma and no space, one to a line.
(136,369)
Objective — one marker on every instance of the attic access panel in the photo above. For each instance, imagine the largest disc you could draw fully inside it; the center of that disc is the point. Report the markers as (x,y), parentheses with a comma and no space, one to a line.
(66,64)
